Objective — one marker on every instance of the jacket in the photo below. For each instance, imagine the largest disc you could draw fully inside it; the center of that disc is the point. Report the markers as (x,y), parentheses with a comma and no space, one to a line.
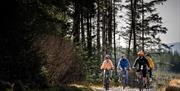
(123,62)
(107,64)
(141,61)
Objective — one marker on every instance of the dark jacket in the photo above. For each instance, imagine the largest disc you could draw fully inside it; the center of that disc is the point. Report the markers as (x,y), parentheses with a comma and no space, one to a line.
(141,61)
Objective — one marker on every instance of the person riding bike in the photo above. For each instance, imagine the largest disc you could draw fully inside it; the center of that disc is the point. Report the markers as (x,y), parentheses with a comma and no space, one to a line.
(151,64)
(124,65)
(142,63)
(107,65)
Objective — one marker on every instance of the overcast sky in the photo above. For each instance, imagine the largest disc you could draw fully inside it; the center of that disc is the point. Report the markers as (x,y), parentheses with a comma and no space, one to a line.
(170,12)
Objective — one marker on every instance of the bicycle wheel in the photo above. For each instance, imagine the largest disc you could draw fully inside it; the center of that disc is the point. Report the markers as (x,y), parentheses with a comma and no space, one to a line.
(124,79)
(141,82)
(106,80)
(106,84)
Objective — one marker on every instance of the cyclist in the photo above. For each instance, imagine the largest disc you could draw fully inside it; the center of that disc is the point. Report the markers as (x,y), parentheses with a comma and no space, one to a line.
(151,65)
(142,63)
(124,65)
(107,65)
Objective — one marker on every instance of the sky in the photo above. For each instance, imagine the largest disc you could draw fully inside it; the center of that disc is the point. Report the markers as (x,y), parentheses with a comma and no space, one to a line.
(170,12)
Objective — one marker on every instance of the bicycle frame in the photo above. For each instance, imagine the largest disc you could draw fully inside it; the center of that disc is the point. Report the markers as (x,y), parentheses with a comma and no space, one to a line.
(140,79)
(106,79)
(124,79)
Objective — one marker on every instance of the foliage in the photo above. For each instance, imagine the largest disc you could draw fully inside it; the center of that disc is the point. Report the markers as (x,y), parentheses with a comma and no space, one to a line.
(175,61)
(64,65)
(23,23)
(19,60)
(147,21)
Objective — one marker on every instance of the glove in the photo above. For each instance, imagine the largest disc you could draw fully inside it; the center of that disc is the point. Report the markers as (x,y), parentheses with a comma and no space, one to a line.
(120,68)
(133,67)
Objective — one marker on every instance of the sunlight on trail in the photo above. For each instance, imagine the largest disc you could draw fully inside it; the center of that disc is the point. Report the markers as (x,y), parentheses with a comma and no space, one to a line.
(175,83)
(119,89)
(77,85)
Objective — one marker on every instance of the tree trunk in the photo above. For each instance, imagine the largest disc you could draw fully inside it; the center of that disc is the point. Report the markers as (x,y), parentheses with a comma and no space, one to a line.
(109,46)
(143,25)
(134,28)
(104,31)
(76,24)
(82,30)
(131,30)
(114,28)
(98,31)
(89,40)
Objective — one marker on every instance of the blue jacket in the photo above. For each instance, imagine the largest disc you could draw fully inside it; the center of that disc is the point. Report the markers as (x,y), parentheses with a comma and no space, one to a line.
(123,62)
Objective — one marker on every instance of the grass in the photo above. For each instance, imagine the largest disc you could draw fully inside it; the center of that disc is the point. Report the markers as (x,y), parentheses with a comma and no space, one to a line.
(162,79)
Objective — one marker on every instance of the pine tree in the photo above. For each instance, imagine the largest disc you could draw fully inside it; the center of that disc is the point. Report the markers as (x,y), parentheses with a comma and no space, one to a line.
(145,23)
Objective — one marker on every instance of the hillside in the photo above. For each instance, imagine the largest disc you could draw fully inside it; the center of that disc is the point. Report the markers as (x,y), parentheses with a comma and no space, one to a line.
(176,46)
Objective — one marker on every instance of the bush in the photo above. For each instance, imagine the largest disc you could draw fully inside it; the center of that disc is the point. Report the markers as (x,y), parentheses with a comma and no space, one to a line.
(64,65)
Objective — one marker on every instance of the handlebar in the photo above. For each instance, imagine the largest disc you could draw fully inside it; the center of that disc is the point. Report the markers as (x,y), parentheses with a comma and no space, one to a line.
(107,69)
(125,68)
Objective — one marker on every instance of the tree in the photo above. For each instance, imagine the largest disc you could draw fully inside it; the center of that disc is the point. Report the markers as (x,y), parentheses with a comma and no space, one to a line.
(76,22)
(145,23)
(114,35)
(151,23)
(98,30)
(24,23)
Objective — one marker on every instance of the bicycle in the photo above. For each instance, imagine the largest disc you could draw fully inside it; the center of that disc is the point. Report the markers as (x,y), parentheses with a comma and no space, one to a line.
(123,77)
(106,79)
(149,81)
(140,81)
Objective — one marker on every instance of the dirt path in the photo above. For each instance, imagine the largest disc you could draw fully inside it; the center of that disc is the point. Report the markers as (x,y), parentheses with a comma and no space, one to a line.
(120,89)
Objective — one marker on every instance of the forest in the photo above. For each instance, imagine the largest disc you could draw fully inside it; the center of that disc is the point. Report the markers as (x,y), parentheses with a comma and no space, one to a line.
(54,43)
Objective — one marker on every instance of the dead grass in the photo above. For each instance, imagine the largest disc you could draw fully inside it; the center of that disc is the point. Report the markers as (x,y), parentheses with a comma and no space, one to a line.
(167,81)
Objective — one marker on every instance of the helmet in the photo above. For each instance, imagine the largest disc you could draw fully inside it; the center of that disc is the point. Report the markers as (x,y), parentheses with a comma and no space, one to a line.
(107,56)
(123,55)
(141,53)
